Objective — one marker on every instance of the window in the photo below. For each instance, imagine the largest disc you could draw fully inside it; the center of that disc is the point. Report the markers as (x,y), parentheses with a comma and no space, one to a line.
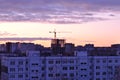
(57,62)
(12,69)
(97,67)
(110,61)
(50,68)
(64,68)
(42,75)
(50,62)
(91,73)
(20,62)
(104,79)
(26,75)
(83,69)
(12,76)
(26,62)
(12,63)
(35,77)
(91,67)
(35,64)
(26,69)
(116,61)
(20,69)
(64,61)
(71,68)
(104,61)
(98,61)
(109,67)
(43,68)
(97,73)
(64,74)
(20,76)
(104,73)
(57,75)
(50,75)
(71,61)
(76,67)
(97,78)
(43,61)
(71,74)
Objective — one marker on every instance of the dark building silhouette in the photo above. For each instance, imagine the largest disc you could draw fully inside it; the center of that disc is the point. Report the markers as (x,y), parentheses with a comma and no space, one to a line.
(69,49)
(57,46)
(12,47)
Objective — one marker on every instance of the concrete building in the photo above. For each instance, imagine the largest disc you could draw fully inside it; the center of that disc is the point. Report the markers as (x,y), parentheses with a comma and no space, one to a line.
(81,66)
(57,46)
(85,63)
(69,49)
(12,47)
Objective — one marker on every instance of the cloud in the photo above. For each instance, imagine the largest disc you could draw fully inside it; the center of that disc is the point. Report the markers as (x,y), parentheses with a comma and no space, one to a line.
(23,39)
(6,34)
(58,11)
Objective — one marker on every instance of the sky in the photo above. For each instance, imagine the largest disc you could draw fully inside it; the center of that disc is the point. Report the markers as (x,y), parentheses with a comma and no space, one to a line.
(86,21)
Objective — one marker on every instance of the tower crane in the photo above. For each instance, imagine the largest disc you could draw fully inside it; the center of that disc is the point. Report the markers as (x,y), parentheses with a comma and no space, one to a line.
(55,33)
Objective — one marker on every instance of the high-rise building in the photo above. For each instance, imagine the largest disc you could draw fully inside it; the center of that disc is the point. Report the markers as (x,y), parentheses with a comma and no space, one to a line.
(12,47)
(57,46)
(69,49)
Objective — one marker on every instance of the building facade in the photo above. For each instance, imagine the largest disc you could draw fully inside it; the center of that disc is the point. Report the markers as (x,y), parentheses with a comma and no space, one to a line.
(81,66)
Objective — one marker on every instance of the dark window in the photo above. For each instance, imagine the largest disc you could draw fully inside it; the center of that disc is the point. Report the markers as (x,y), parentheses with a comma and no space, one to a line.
(71,68)
(116,61)
(97,73)
(57,75)
(71,74)
(20,76)
(104,79)
(97,78)
(50,75)
(12,76)
(110,61)
(98,61)
(65,74)
(71,61)
(104,73)
(97,67)
(43,75)
(43,62)
(57,62)
(26,62)
(64,68)
(20,62)
(26,75)
(104,61)
(12,69)
(43,68)
(20,69)
(50,62)
(50,68)
(12,63)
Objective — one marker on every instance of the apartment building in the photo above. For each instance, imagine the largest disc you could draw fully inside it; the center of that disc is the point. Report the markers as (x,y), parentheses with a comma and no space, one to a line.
(81,66)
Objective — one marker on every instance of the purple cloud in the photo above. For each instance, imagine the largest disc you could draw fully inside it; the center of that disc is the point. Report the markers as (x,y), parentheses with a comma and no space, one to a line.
(58,11)
(23,38)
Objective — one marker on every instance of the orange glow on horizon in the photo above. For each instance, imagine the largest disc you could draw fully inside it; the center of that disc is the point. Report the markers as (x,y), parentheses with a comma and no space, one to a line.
(102,33)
